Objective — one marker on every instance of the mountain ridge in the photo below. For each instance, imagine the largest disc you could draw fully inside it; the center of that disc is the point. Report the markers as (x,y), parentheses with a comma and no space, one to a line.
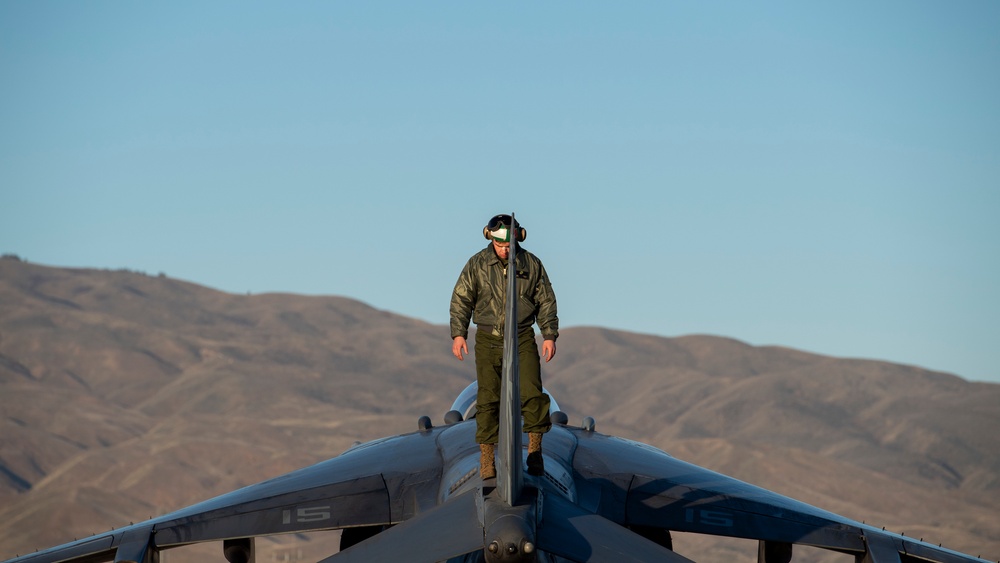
(125,394)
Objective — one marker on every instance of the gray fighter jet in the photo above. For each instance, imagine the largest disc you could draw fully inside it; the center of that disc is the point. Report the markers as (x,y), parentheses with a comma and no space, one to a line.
(419,497)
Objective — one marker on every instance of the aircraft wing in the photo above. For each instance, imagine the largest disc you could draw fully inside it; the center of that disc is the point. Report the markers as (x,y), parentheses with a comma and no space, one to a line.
(379,483)
(426,482)
(637,485)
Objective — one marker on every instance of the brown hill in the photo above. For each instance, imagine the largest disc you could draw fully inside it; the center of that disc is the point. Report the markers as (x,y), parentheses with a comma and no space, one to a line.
(125,396)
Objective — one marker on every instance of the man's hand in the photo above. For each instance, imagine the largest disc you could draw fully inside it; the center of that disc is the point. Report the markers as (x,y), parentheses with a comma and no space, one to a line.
(458,346)
(548,350)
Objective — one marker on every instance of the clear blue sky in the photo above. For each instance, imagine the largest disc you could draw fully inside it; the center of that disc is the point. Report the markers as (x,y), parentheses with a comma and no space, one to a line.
(818,175)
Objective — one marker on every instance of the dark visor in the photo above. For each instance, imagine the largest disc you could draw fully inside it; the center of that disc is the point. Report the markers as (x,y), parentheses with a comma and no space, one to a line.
(498,221)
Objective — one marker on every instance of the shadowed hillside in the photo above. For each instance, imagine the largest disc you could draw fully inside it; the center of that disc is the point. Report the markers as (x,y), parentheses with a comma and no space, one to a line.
(125,396)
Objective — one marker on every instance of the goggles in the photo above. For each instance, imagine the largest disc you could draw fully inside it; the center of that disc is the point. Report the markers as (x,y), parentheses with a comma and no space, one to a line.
(498,221)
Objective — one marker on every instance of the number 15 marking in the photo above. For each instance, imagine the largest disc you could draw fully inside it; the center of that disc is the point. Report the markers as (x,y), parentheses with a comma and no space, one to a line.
(301,515)
(709,517)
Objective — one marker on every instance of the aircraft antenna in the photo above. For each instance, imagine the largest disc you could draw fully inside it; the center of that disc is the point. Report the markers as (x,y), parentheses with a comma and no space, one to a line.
(509,472)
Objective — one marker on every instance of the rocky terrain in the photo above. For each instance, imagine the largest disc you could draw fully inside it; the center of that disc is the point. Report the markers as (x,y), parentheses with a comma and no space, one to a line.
(125,396)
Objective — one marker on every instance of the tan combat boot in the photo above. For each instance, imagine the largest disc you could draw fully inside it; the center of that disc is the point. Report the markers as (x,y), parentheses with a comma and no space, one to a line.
(535,464)
(486,468)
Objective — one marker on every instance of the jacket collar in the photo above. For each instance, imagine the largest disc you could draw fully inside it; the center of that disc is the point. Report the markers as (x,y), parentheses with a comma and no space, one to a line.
(492,255)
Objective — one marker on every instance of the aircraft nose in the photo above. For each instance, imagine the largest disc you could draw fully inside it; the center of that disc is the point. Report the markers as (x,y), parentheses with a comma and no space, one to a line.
(509,530)
(501,551)
(512,540)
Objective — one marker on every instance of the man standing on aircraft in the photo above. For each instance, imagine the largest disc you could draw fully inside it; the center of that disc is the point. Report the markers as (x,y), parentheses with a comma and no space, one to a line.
(479,295)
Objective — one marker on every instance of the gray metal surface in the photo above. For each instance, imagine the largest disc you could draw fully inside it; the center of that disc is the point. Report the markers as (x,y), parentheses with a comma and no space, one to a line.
(509,473)
(395,480)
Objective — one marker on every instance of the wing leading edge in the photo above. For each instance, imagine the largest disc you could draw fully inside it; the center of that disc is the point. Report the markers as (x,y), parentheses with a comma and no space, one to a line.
(637,485)
(617,484)
(380,483)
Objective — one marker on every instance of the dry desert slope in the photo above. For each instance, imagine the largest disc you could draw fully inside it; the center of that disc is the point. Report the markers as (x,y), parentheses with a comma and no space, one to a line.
(125,396)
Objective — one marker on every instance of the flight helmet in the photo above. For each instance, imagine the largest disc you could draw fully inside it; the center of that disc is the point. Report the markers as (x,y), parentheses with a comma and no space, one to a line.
(499,229)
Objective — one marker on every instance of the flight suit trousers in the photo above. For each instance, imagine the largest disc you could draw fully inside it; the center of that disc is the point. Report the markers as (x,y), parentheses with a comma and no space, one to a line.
(489,367)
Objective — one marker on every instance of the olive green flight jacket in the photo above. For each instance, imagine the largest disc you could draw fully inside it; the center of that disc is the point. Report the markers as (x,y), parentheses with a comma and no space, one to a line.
(479,295)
